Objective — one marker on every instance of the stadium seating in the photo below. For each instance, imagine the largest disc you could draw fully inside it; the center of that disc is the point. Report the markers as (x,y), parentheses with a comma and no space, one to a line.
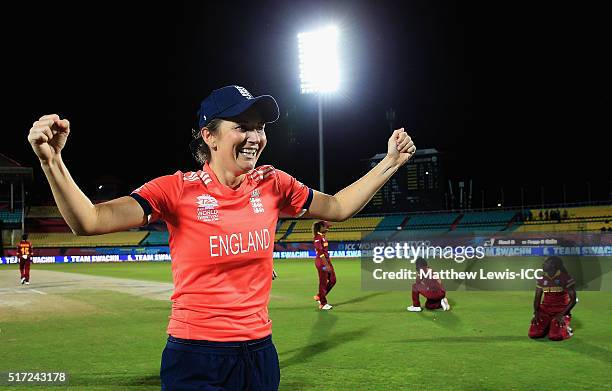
(587,218)
(390,222)
(44,212)
(10,217)
(47,228)
(70,240)
(156,238)
(487,218)
(351,229)
(435,221)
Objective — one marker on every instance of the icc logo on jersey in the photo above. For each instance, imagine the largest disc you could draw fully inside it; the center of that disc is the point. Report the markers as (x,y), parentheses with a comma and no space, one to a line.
(207,201)
(207,208)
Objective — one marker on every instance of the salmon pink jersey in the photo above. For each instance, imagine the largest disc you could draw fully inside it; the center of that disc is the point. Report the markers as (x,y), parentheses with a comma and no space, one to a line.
(221,243)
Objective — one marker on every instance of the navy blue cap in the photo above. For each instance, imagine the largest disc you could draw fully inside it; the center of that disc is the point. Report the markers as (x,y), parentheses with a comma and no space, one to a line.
(231,101)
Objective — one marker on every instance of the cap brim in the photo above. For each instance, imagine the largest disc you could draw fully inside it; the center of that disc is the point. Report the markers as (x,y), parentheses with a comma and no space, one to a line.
(266,106)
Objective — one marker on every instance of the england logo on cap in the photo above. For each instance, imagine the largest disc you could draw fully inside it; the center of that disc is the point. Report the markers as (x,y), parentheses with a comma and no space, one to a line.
(243,91)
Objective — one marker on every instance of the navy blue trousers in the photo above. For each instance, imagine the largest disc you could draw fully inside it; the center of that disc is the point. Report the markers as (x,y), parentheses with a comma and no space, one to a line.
(189,365)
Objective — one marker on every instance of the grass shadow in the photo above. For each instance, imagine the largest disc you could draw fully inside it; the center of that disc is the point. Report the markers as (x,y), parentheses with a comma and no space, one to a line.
(466,339)
(321,339)
(314,349)
(114,380)
(577,345)
(359,299)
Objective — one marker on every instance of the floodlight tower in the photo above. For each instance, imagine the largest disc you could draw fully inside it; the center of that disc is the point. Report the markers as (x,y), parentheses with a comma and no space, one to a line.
(319,74)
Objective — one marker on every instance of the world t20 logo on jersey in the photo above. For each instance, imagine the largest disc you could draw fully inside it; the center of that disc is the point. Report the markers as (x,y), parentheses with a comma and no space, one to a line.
(207,208)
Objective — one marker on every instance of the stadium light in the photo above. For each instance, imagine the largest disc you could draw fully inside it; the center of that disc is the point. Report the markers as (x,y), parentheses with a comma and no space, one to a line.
(319,73)
(319,66)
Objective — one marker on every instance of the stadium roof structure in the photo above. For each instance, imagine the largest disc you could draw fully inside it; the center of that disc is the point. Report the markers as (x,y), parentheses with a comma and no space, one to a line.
(10,169)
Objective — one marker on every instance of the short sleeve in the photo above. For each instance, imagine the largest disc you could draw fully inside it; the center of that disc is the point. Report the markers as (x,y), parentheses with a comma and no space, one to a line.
(159,196)
(568,281)
(295,196)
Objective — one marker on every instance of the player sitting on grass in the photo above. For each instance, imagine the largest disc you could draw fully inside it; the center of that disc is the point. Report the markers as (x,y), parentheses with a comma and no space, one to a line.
(431,288)
(552,315)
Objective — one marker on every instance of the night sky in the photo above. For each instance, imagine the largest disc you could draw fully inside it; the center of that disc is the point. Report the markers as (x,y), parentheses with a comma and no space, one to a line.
(514,95)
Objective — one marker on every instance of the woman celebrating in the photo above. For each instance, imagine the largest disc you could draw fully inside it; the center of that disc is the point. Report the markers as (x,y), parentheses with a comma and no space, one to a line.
(327,274)
(221,222)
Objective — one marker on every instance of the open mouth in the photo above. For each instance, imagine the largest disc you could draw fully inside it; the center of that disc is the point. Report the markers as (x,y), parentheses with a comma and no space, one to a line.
(248,152)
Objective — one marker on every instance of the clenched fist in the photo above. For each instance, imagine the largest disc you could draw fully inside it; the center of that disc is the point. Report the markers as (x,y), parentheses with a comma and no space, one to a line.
(400,147)
(48,136)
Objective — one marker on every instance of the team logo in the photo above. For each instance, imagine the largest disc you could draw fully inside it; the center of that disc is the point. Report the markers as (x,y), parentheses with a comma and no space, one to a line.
(243,91)
(207,201)
(256,203)
(207,208)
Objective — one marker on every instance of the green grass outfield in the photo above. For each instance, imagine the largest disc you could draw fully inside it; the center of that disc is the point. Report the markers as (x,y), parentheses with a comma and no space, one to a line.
(367,342)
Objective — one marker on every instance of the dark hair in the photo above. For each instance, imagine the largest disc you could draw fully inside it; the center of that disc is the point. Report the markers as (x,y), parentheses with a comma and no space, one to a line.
(199,149)
(24,237)
(557,263)
(420,263)
(316,227)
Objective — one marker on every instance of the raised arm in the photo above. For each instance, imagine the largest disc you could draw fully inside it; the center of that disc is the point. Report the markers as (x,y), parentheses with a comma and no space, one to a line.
(350,200)
(48,137)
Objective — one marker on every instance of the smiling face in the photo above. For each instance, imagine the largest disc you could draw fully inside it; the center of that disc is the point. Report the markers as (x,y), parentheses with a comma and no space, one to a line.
(238,143)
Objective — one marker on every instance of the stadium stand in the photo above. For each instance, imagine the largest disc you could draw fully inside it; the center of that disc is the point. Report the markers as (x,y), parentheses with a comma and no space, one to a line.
(10,217)
(489,221)
(70,240)
(586,218)
(431,222)
(351,229)
(48,230)
(156,238)
(44,212)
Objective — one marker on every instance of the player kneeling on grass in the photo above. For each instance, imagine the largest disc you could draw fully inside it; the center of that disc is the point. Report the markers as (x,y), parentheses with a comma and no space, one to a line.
(431,288)
(552,315)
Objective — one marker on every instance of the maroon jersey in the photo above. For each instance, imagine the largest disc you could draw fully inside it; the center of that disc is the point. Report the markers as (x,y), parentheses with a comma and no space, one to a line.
(321,246)
(555,288)
(24,249)
(430,284)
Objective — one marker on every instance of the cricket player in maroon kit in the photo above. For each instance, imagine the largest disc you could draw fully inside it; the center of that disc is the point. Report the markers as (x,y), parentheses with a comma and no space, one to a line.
(327,275)
(431,288)
(24,253)
(552,316)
